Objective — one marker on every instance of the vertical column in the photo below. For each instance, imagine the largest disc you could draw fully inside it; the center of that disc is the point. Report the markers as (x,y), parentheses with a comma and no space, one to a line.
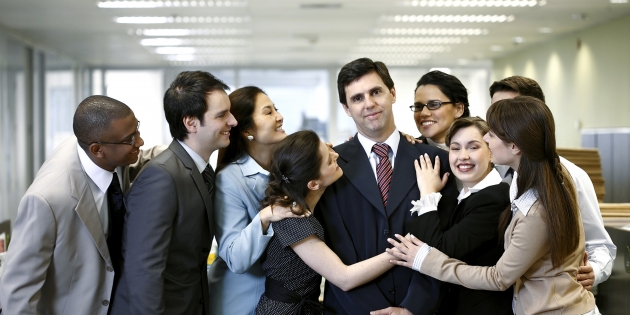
(39,110)
(333,128)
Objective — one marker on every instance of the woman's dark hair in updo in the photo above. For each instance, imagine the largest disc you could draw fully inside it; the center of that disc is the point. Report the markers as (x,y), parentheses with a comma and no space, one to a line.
(528,123)
(450,86)
(295,162)
(242,105)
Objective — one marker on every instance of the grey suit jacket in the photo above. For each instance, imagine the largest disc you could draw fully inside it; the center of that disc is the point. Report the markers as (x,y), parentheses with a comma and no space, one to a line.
(166,239)
(58,261)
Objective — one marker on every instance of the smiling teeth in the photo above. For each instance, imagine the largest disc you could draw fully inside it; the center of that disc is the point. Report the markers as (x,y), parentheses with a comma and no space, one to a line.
(426,123)
(465,166)
(226,133)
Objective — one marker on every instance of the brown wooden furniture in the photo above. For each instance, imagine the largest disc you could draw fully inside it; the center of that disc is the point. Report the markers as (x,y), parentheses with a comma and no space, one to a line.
(590,162)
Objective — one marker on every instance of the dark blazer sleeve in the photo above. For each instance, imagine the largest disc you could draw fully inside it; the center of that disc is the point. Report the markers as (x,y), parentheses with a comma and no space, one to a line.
(151,210)
(477,226)
(424,293)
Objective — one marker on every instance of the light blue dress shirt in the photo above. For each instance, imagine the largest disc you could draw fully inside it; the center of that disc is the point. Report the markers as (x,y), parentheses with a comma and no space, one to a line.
(236,278)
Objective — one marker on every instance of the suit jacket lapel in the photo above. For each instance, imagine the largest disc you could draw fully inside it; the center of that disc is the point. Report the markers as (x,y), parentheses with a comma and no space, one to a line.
(196,176)
(404,176)
(356,167)
(86,207)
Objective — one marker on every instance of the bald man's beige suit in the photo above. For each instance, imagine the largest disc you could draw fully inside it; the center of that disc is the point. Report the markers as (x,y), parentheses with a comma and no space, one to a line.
(58,261)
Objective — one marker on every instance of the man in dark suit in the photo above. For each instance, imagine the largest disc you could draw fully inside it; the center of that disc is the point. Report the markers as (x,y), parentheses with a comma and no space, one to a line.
(371,201)
(168,226)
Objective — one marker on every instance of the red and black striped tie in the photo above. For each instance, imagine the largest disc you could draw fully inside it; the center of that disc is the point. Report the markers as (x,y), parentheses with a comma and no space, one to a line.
(383,170)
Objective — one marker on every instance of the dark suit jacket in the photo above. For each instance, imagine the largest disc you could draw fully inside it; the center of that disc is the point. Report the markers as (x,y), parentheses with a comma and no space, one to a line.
(357,227)
(472,237)
(166,239)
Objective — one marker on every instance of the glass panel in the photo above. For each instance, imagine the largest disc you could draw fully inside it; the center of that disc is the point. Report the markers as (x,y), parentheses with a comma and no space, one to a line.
(60,101)
(142,91)
(302,96)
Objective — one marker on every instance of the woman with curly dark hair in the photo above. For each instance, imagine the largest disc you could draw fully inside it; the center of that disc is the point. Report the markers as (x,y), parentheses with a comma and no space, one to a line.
(302,167)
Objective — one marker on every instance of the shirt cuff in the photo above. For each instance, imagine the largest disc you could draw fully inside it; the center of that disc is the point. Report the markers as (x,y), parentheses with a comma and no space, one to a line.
(420,256)
(597,272)
(426,203)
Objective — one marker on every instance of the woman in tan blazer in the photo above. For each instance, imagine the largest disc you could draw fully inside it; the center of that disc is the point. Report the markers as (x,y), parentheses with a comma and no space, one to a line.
(543,239)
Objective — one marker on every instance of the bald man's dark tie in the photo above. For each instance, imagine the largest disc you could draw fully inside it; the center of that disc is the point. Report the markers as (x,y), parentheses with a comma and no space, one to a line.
(208,178)
(116,220)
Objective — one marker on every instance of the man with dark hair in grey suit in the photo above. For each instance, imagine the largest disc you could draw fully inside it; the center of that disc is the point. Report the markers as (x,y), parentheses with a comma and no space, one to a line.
(168,227)
(66,242)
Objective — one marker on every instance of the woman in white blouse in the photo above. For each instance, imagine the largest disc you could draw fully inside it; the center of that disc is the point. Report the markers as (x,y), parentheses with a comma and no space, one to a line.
(544,238)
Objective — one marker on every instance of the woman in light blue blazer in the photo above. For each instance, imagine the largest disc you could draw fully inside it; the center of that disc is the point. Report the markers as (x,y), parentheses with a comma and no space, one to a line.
(243,231)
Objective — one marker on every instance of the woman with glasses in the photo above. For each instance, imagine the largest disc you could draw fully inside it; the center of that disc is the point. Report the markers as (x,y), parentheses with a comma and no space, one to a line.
(242,231)
(440,98)
(543,238)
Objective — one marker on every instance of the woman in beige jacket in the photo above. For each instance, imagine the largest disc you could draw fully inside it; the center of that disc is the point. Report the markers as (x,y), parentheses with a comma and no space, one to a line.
(543,239)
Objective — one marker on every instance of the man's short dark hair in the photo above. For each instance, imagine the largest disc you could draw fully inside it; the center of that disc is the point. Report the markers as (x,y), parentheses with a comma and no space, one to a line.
(449,85)
(356,69)
(186,97)
(522,85)
(93,118)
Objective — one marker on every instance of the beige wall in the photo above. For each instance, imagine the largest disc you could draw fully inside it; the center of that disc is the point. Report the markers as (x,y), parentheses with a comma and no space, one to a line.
(585,87)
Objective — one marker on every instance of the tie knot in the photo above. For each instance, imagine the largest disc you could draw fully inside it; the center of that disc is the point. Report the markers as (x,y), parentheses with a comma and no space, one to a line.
(381,149)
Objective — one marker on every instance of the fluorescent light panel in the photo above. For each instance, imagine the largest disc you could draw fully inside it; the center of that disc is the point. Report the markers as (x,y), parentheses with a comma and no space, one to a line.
(412,40)
(171,41)
(171,50)
(431,31)
(392,56)
(180,19)
(190,32)
(404,49)
(134,4)
(448,18)
(470,3)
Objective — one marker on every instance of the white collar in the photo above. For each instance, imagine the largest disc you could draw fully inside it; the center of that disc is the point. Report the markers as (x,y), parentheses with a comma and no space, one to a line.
(102,178)
(525,201)
(250,167)
(392,141)
(493,178)
(199,161)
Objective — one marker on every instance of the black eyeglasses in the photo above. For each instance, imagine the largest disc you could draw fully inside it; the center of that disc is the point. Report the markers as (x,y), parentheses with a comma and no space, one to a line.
(431,105)
(131,143)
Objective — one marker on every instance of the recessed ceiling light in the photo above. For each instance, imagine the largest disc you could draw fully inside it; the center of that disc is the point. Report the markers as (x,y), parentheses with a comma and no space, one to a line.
(404,49)
(496,48)
(448,18)
(431,31)
(618,1)
(193,42)
(470,3)
(191,32)
(136,4)
(392,56)
(412,40)
(545,30)
(180,19)
(518,40)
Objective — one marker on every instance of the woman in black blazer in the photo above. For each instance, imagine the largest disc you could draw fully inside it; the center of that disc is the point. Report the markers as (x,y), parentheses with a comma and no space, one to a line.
(471,234)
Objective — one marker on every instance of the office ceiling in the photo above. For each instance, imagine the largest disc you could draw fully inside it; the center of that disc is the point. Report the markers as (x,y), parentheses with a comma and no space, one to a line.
(298,33)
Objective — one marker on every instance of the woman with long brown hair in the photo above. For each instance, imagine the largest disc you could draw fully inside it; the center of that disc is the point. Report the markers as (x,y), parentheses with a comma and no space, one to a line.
(543,239)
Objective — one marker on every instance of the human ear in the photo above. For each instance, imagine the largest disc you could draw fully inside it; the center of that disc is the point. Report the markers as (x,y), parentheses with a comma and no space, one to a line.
(96,150)
(460,110)
(393,92)
(346,109)
(515,150)
(312,185)
(190,123)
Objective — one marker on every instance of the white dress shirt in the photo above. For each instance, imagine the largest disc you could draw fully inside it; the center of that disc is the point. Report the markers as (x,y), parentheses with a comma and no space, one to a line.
(600,248)
(392,141)
(99,181)
(199,161)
